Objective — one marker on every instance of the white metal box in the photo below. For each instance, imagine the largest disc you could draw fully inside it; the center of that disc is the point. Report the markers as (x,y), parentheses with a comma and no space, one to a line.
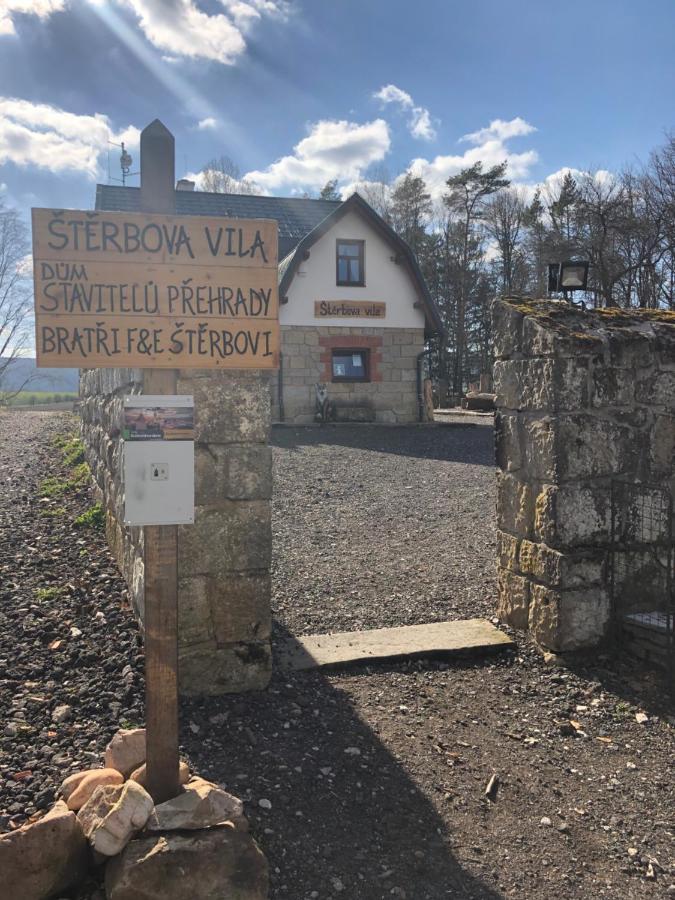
(159,460)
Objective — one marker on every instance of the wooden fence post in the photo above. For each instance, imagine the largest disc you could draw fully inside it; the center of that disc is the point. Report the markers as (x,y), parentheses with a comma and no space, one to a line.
(160,541)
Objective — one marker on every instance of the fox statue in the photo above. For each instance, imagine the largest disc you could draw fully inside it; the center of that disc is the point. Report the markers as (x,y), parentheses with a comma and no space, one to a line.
(325,410)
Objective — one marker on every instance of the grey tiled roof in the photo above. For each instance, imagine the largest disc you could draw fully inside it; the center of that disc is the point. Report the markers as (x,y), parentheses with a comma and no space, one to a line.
(296,216)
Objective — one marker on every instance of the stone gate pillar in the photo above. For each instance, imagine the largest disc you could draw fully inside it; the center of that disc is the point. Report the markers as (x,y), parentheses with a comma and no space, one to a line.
(583,398)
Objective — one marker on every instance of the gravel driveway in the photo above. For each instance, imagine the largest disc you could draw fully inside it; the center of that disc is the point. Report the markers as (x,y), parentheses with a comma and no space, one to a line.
(374,779)
(381,526)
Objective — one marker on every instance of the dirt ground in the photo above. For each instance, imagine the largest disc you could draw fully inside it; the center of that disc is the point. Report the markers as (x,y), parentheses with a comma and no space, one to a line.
(375,778)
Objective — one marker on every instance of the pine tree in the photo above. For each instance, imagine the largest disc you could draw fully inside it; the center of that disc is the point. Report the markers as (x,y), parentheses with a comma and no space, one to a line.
(468,192)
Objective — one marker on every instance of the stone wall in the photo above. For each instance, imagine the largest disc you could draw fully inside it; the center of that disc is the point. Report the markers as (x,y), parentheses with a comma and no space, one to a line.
(390,395)
(224,558)
(583,399)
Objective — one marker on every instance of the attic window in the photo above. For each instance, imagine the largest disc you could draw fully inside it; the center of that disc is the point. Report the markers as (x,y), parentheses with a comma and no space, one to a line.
(349,263)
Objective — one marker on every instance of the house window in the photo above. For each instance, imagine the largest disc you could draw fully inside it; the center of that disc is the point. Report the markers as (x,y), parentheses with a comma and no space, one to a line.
(350,270)
(351,365)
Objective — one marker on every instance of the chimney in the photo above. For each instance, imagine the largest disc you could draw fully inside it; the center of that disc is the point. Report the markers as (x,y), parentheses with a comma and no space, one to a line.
(184,184)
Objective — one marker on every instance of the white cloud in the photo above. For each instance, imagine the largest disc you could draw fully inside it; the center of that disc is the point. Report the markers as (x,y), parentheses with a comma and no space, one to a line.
(419,123)
(181,28)
(40,8)
(392,94)
(207,123)
(500,130)
(25,265)
(332,149)
(490,148)
(36,134)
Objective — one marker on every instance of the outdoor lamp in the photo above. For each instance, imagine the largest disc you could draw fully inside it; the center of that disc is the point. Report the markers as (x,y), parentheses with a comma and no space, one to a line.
(573,275)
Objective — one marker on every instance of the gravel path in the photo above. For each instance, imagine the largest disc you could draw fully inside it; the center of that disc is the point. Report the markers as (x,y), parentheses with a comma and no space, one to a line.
(71,663)
(375,778)
(382,526)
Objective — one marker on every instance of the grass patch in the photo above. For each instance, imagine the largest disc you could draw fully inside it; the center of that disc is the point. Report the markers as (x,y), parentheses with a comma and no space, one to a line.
(50,593)
(53,513)
(94,517)
(73,452)
(80,475)
(53,486)
(35,398)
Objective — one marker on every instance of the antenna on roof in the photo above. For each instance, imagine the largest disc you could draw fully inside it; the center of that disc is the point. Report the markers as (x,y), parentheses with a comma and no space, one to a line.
(125,165)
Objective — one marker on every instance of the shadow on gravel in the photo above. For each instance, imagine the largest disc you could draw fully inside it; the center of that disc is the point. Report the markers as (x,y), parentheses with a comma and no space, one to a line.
(636,682)
(346,819)
(469,443)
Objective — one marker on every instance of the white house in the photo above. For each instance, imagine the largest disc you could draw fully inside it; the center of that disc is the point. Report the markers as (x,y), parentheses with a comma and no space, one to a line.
(354,309)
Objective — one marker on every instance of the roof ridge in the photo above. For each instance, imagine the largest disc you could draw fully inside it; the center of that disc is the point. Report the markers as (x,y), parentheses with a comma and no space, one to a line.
(130,187)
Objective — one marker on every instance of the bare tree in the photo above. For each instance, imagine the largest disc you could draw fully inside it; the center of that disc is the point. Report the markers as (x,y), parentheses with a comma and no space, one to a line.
(222,176)
(376,191)
(505,216)
(15,298)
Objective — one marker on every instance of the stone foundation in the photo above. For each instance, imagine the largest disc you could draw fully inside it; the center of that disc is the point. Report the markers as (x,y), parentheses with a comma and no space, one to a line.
(583,398)
(389,397)
(224,558)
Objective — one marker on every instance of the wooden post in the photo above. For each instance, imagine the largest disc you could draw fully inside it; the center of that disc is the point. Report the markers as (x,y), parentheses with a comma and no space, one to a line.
(160,541)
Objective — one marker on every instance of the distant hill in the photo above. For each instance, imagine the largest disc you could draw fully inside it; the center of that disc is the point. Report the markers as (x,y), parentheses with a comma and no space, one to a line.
(19,370)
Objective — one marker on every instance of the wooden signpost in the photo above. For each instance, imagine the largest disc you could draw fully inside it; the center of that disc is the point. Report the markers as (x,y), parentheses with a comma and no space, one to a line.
(155,291)
(160,292)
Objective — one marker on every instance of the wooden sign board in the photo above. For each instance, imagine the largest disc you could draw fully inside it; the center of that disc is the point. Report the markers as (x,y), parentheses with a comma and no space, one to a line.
(349,309)
(138,290)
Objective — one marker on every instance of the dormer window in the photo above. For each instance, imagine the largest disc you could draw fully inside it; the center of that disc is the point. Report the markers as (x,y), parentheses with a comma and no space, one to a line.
(350,269)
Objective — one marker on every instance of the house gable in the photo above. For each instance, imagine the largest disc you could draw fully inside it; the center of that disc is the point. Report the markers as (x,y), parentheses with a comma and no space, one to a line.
(386,282)
(392,276)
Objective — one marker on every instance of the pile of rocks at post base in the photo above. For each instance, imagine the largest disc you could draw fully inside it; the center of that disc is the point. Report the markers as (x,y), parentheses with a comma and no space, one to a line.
(196,845)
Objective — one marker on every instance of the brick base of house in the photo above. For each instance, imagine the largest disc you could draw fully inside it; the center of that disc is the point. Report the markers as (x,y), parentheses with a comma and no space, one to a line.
(390,395)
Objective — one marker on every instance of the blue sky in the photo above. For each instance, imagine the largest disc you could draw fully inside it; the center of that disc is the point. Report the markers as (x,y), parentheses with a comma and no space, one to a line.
(302,91)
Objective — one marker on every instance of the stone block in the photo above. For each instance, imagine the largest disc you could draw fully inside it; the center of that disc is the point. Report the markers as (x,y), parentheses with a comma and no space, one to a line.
(546,385)
(195,625)
(44,858)
(234,537)
(113,814)
(630,349)
(611,386)
(230,407)
(662,446)
(201,804)
(513,598)
(568,620)
(539,448)
(507,326)
(664,342)
(507,551)
(524,384)
(202,865)
(589,446)
(541,562)
(232,472)
(583,515)
(239,607)
(658,389)
(515,505)
(126,750)
(584,569)
(542,338)
(226,670)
